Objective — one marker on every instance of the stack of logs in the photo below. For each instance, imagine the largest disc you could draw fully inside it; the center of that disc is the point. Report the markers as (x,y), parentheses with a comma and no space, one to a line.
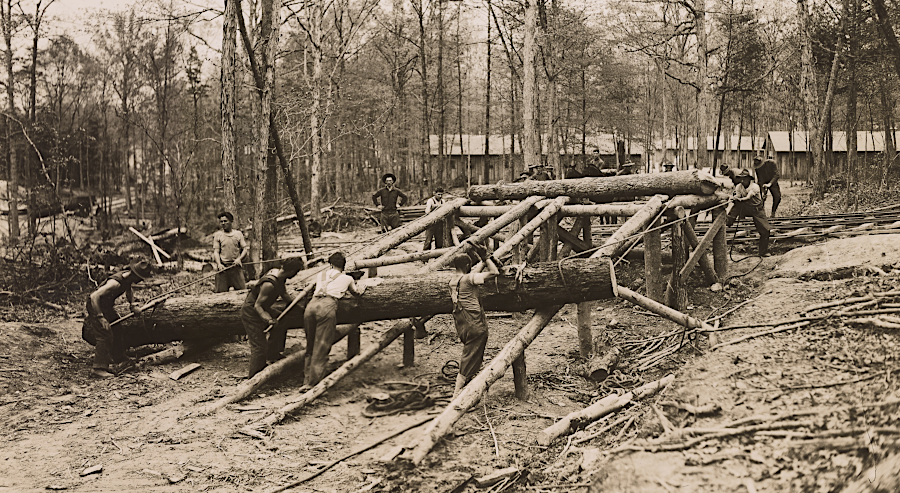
(554,280)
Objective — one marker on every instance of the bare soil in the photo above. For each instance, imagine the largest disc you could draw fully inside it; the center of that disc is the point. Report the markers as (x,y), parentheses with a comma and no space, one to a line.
(56,420)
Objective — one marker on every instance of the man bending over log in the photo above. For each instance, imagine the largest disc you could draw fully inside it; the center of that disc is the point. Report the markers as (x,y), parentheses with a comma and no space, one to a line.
(260,318)
(748,202)
(101,313)
(320,317)
(468,314)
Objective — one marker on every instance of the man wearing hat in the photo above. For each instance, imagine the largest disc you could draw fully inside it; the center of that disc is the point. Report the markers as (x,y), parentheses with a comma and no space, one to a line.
(767,175)
(539,173)
(101,313)
(391,198)
(748,203)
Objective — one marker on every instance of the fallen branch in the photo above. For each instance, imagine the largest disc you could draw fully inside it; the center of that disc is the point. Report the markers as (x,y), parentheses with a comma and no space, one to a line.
(731,310)
(710,408)
(875,321)
(831,304)
(352,453)
(708,434)
(759,334)
(601,431)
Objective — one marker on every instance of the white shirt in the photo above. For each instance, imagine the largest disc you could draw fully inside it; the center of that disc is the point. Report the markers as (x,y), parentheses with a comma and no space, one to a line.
(332,283)
(432,204)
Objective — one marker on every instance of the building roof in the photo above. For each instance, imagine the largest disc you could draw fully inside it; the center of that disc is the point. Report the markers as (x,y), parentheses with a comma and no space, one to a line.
(473,145)
(865,141)
(746,143)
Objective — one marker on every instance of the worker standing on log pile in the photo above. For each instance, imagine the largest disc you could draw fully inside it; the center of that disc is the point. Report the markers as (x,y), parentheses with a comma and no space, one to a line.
(391,198)
(767,175)
(229,250)
(748,202)
(435,232)
(468,314)
(320,317)
(260,318)
(107,340)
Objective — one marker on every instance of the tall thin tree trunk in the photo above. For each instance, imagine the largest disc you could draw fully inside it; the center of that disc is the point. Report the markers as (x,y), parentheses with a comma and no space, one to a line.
(704,99)
(851,7)
(13,186)
(229,104)
(487,107)
(315,123)
(531,148)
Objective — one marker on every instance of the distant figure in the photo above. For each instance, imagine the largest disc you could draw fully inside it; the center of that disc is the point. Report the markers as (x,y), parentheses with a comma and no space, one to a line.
(320,317)
(539,173)
(259,317)
(767,175)
(668,167)
(101,312)
(468,314)
(748,203)
(391,198)
(435,232)
(523,176)
(729,172)
(229,250)
(626,169)
(572,172)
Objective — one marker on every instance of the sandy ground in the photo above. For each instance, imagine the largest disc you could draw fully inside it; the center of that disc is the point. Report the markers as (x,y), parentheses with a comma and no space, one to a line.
(142,428)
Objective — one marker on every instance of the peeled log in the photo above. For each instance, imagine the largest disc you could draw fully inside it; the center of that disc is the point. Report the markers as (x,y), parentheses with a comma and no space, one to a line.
(601,365)
(602,189)
(216,315)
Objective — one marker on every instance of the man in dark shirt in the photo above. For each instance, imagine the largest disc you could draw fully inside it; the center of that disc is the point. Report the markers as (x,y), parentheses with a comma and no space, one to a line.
(767,176)
(572,172)
(391,198)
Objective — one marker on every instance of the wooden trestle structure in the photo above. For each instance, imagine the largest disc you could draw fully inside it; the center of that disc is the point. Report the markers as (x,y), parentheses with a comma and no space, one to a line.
(556,266)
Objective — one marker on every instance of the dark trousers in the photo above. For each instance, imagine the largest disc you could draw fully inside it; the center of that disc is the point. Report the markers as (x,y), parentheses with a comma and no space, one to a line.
(760,221)
(434,234)
(231,277)
(471,327)
(109,345)
(262,346)
(390,219)
(320,322)
(775,190)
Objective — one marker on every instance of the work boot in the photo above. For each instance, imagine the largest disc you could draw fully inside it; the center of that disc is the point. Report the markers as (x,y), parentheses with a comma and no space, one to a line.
(102,373)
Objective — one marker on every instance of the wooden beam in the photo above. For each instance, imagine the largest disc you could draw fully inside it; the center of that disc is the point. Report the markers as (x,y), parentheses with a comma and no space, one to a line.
(653,263)
(621,209)
(395,259)
(700,247)
(662,310)
(617,243)
(720,247)
(676,293)
(585,309)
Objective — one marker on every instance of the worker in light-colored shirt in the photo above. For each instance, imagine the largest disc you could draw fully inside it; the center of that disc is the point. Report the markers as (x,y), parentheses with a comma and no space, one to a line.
(229,250)
(468,314)
(320,317)
(436,231)
(748,202)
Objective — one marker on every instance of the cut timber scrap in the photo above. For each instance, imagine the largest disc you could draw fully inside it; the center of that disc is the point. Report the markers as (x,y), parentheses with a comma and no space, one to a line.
(156,250)
(663,311)
(397,236)
(217,315)
(248,387)
(622,209)
(164,356)
(617,243)
(882,477)
(396,259)
(496,476)
(579,419)
(600,189)
(175,375)
(483,234)
(474,390)
(601,365)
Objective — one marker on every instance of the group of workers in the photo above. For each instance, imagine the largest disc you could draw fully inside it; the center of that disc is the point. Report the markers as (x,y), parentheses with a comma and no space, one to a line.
(749,197)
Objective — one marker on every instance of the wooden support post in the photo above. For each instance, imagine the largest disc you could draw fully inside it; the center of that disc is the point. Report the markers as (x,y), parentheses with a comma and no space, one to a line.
(521,251)
(353,342)
(553,237)
(409,347)
(447,230)
(700,246)
(545,238)
(584,309)
(720,247)
(676,294)
(373,272)
(520,377)
(653,263)
(475,388)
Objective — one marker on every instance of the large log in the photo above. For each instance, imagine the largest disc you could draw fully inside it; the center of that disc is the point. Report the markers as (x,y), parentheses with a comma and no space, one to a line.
(618,242)
(395,259)
(217,315)
(602,189)
(474,390)
(624,209)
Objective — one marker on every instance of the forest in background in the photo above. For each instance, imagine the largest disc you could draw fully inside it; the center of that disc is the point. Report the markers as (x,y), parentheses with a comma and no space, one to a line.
(241,105)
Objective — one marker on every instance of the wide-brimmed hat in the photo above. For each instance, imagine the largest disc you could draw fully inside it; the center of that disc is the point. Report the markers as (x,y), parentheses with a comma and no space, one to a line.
(141,268)
(745,173)
(388,175)
(757,162)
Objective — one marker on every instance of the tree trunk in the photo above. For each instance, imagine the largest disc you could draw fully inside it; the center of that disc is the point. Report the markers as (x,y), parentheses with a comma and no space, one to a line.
(315,123)
(851,7)
(531,148)
(229,103)
(602,189)
(486,177)
(887,31)
(704,96)
(218,315)
(12,189)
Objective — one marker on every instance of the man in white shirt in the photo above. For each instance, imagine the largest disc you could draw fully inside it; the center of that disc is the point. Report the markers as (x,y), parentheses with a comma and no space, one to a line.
(320,317)
(748,202)
(435,232)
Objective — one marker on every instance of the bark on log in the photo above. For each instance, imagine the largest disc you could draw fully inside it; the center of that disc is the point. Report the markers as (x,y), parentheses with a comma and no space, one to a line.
(601,365)
(617,209)
(218,315)
(395,259)
(248,387)
(474,390)
(483,234)
(471,229)
(600,189)
(617,243)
